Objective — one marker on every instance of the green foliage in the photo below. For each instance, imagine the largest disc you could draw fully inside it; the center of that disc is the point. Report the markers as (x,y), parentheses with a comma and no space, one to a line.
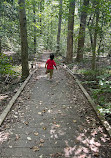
(92,74)
(104,87)
(106,109)
(58,60)
(5,66)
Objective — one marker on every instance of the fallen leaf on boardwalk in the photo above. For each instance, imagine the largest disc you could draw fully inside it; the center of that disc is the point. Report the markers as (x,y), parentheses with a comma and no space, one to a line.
(41,156)
(64,106)
(44,128)
(41,123)
(35,148)
(49,111)
(42,141)
(44,111)
(39,113)
(57,125)
(28,138)
(17,137)
(59,111)
(96,154)
(36,134)
(74,121)
(3,136)
(26,123)
(15,116)
(56,155)
(40,145)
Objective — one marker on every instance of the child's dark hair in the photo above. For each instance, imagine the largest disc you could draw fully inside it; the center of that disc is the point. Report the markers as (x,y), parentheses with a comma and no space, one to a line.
(51,56)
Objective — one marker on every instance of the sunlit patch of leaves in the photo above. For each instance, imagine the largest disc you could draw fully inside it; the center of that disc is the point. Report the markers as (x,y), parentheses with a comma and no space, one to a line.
(3,137)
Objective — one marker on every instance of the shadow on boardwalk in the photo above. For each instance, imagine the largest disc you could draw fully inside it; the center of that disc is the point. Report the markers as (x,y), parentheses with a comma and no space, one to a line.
(53,119)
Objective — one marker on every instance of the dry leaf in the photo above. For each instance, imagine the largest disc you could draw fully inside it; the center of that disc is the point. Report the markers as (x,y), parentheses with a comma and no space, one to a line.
(74,121)
(40,145)
(35,148)
(57,125)
(44,111)
(26,123)
(28,138)
(42,141)
(17,137)
(36,134)
(44,128)
(39,113)
(96,154)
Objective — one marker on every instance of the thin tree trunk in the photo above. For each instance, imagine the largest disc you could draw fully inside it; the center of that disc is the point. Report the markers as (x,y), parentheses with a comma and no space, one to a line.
(35,41)
(81,38)
(95,41)
(59,28)
(69,54)
(23,35)
(41,10)
(40,17)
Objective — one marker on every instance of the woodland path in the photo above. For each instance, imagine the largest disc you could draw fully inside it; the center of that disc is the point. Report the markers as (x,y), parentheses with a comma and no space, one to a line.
(52,119)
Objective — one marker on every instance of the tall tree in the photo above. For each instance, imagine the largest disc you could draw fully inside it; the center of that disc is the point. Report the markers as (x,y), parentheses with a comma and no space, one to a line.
(41,10)
(24,43)
(93,30)
(59,27)
(34,19)
(81,38)
(69,55)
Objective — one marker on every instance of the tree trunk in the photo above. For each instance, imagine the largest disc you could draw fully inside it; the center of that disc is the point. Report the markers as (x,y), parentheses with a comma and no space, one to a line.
(41,10)
(40,17)
(59,28)
(35,41)
(69,54)
(95,40)
(81,38)
(23,35)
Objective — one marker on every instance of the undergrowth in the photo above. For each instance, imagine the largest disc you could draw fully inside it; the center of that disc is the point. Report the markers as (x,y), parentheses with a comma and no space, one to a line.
(99,84)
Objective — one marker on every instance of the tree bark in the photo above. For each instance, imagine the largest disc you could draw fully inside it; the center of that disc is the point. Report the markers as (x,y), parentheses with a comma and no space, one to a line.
(24,43)
(81,38)
(41,10)
(95,40)
(35,41)
(69,54)
(59,28)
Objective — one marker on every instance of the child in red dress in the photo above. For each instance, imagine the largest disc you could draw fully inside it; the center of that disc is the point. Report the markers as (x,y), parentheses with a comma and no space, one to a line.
(50,63)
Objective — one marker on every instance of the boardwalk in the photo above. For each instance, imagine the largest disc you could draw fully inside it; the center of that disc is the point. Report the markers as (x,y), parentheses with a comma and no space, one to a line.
(51,120)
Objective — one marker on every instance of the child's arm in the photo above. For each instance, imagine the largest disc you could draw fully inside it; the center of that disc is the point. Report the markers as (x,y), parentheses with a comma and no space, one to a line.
(56,67)
(45,65)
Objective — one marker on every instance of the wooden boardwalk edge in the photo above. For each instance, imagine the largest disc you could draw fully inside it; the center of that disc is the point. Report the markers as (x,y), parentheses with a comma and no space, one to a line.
(12,101)
(101,118)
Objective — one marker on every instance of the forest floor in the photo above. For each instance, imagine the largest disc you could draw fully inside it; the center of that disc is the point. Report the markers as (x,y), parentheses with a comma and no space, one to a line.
(53,119)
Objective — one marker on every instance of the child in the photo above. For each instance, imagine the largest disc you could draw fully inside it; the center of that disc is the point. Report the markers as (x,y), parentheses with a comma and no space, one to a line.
(50,63)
